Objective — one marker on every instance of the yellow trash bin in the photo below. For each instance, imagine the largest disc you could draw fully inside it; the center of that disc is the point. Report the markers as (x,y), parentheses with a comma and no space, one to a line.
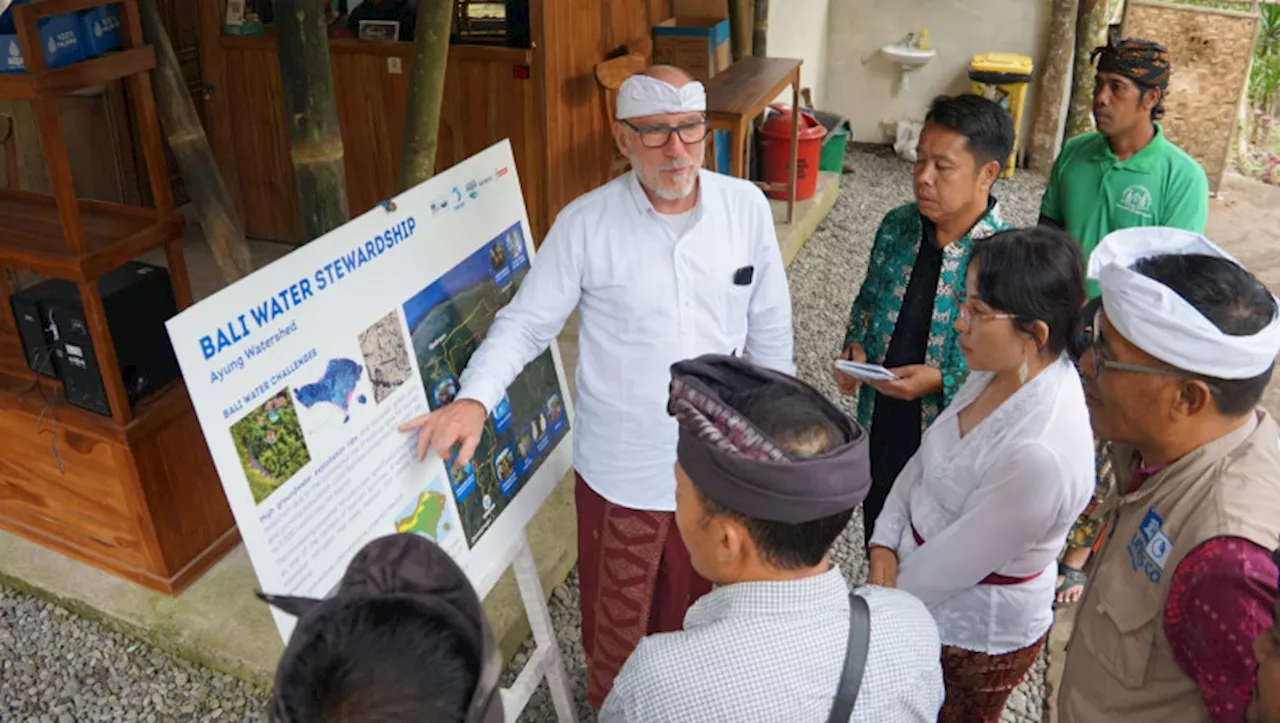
(1003,77)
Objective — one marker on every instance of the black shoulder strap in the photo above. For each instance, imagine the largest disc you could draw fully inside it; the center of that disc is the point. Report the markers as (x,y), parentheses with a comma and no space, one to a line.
(855,660)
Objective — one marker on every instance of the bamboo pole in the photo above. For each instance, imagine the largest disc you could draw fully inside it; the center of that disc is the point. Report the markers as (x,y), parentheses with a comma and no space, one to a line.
(315,141)
(426,91)
(214,207)
(760,30)
(741,18)
(1055,87)
(1091,32)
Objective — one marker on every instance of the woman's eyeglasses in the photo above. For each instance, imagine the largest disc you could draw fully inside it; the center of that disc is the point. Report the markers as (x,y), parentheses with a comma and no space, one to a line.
(968,316)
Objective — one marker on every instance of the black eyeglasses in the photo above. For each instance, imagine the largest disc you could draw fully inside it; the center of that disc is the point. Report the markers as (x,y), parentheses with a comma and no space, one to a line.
(659,136)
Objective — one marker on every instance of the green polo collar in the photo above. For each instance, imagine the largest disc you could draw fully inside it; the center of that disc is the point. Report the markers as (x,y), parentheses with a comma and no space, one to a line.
(1144,161)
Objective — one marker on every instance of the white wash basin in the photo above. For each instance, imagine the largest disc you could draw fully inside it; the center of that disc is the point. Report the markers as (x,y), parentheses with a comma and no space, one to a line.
(908,59)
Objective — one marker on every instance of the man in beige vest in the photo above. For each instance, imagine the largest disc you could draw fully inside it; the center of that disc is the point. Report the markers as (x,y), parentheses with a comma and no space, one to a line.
(1182,349)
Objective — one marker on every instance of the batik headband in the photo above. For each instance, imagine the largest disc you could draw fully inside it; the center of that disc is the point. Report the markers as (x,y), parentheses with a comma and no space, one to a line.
(1142,61)
(731,461)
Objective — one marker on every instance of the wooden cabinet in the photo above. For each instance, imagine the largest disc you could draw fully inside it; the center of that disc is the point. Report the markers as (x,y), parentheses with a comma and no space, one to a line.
(545,99)
(134,493)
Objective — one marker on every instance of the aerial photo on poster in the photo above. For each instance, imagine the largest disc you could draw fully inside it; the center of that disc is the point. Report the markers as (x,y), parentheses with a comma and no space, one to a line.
(447,321)
(270,444)
(386,356)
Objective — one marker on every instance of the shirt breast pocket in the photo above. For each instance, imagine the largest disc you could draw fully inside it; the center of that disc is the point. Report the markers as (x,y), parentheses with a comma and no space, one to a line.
(725,308)
(1123,635)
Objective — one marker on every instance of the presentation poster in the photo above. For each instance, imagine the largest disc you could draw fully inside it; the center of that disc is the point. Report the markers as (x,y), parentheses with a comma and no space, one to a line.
(302,372)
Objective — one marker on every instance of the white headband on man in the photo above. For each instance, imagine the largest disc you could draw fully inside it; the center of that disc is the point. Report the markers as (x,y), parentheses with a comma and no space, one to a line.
(642,95)
(1162,323)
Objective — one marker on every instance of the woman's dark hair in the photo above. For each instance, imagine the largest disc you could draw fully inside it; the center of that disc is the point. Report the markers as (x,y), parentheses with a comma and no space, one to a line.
(986,126)
(384,661)
(1036,274)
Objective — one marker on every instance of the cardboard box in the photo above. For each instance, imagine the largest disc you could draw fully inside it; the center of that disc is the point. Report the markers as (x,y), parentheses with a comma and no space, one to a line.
(700,46)
(60,39)
(101,30)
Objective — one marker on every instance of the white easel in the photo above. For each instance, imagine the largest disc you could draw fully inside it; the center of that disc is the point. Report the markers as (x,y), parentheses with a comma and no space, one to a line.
(545,661)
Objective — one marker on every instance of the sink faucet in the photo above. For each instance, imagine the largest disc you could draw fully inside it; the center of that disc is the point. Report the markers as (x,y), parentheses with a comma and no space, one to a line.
(906,41)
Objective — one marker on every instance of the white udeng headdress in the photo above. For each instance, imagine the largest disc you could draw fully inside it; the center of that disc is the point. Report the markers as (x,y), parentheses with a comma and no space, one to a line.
(642,95)
(1162,323)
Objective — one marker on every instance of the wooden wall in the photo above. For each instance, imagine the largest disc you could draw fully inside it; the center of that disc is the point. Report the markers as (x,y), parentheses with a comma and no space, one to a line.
(486,102)
(99,141)
(545,99)
(575,36)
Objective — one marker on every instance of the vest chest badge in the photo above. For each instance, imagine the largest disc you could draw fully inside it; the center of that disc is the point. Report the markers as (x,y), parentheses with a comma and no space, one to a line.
(1150,547)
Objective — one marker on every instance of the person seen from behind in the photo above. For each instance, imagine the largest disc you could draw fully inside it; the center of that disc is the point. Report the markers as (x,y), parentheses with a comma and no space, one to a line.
(768,475)
(403,640)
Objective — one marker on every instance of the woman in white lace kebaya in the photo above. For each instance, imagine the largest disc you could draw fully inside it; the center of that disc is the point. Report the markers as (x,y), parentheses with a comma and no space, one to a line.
(977,518)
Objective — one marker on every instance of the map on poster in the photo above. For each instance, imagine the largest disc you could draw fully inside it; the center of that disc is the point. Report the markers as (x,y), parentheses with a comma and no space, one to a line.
(302,373)
(446,322)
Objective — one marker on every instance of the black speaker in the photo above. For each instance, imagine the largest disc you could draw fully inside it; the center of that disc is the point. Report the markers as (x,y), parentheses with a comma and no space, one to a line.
(137,299)
(29,311)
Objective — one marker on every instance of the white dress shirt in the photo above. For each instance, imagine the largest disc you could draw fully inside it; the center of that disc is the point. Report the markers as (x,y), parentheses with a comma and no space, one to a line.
(647,299)
(764,652)
(999,499)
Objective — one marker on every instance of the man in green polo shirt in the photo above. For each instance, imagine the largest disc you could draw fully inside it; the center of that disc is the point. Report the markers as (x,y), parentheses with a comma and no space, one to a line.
(1127,173)
(1124,175)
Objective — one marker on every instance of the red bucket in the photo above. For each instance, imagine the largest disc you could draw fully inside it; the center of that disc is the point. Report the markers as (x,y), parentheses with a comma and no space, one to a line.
(775,152)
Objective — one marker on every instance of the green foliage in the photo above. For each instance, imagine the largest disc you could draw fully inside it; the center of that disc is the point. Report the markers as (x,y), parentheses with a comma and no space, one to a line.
(1264,81)
(271,450)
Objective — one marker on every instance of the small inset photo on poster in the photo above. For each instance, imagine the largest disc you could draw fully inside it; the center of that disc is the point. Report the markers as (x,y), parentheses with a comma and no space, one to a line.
(338,386)
(504,465)
(526,455)
(555,414)
(270,444)
(517,257)
(498,262)
(541,440)
(386,356)
(463,479)
(444,391)
(502,414)
(429,514)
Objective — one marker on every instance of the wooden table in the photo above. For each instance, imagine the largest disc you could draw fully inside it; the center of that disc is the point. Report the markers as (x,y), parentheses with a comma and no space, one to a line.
(736,96)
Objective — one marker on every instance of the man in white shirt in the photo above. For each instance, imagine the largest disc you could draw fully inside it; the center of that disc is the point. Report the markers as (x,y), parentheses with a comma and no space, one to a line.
(769,474)
(666,262)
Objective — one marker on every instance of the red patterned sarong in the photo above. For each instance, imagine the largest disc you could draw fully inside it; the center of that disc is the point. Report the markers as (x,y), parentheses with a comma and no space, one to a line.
(636,579)
(978,684)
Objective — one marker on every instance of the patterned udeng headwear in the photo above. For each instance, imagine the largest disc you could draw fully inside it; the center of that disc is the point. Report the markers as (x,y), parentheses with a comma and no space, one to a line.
(1142,61)
(734,463)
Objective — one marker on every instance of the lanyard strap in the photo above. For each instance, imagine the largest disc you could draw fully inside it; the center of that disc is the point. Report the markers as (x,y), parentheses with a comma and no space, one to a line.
(855,660)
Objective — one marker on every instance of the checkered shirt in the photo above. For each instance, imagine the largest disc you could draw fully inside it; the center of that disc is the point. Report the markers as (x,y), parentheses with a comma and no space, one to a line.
(774,651)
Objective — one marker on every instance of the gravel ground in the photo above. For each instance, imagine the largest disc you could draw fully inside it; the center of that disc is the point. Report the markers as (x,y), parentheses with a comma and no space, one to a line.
(58,668)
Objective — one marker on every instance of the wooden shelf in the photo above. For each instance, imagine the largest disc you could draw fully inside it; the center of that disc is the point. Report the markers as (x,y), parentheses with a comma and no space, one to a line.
(31,392)
(136,492)
(114,233)
(85,74)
